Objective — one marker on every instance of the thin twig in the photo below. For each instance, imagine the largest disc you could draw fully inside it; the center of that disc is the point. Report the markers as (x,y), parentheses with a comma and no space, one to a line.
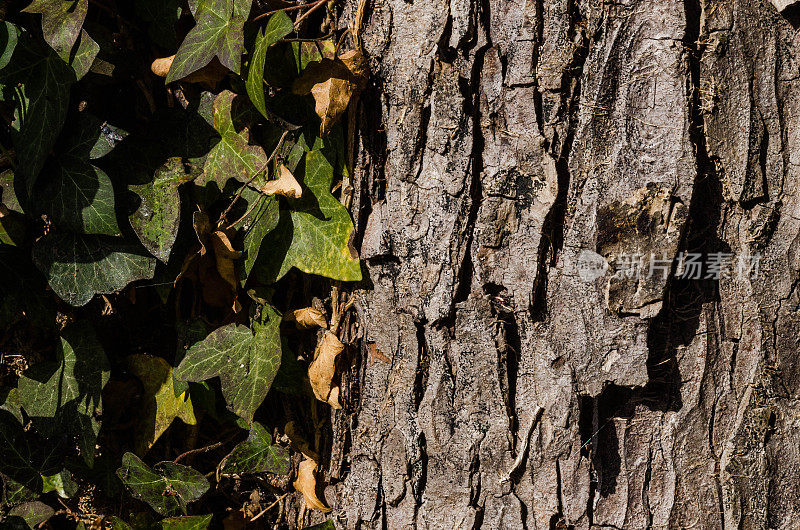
(198,451)
(268,508)
(239,193)
(290,8)
(305,15)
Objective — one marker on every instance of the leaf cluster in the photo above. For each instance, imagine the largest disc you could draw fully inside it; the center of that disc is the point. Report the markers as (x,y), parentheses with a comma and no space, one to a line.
(171,185)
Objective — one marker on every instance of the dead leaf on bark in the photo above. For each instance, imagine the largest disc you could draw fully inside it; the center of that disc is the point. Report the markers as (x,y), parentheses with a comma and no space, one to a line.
(285,185)
(333,83)
(210,75)
(298,441)
(306,484)
(307,318)
(323,369)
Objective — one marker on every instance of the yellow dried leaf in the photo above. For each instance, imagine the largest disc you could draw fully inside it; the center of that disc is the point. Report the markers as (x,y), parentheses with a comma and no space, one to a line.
(286,185)
(323,369)
(210,75)
(332,83)
(306,484)
(224,254)
(307,318)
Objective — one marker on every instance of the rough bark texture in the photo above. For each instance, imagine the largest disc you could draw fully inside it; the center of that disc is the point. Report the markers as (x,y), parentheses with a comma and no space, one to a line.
(502,138)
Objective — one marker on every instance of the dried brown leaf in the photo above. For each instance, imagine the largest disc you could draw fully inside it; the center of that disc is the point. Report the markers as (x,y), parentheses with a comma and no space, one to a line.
(210,75)
(333,83)
(306,484)
(307,318)
(323,369)
(285,185)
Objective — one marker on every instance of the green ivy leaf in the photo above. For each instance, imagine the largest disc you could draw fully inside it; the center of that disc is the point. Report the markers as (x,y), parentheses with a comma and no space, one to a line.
(64,396)
(12,220)
(9,401)
(8,41)
(62,21)
(158,217)
(327,525)
(278,27)
(161,403)
(233,156)
(218,33)
(24,456)
(84,55)
(167,488)
(80,266)
(257,455)
(61,483)
(42,82)
(33,513)
(314,234)
(261,221)
(194,522)
(245,362)
(80,197)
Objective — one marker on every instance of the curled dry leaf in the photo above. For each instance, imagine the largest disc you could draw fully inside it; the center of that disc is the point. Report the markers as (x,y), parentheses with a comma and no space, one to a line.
(299,442)
(322,370)
(213,265)
(285,185)
(332,83)
(210,75)
(307,318)
(224,254)
(306,484)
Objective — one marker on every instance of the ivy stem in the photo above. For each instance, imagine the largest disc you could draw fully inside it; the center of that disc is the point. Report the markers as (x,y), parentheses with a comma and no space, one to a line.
(239,193)
(291,8)
(317,5)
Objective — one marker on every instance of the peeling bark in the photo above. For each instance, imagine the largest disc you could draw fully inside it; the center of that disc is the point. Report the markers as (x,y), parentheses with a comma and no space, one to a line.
(499,141)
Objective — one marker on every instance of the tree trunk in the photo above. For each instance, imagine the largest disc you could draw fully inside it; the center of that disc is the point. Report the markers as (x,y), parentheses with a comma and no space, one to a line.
(496,386)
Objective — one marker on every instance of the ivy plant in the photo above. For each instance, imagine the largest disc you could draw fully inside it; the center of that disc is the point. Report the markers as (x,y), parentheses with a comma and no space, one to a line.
(172,205)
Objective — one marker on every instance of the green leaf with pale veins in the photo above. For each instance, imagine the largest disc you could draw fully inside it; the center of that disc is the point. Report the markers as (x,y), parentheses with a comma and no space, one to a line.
(167,488)
(33,513)
(80,197)
(278,27)
(261,221)
(193,522)
(314,234)
(257,455)
(24,456)
(42,81)
(218,33)
(161,405)
(86,51)
(8,41)
(245,362)
(158,217)
(80,266)
(232,156)
(62,21)
(63,397)
(9,401)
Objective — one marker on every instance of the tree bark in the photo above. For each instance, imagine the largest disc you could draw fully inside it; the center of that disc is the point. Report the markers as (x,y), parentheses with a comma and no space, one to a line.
(500,140)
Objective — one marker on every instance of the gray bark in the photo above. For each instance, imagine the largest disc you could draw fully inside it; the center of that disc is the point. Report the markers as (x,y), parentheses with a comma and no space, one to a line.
(500,139)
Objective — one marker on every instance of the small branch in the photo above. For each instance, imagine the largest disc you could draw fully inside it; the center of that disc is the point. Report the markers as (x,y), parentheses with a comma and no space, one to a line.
(198,451)
(268,508)
(305,15)
(239,193)
(290,8)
